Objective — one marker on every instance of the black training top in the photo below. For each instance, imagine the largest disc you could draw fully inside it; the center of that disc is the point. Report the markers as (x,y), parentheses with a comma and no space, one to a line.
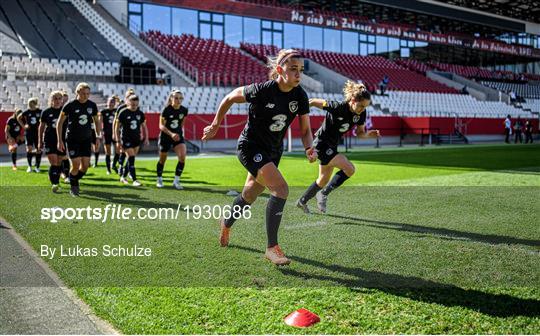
(14,128)
(79,118)
(271,111)
(32,118)
(173,118)
(339,119)
(130,123)
(49,117)
(107,115)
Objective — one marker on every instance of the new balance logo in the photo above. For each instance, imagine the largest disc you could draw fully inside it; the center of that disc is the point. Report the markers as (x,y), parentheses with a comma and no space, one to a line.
(270,105)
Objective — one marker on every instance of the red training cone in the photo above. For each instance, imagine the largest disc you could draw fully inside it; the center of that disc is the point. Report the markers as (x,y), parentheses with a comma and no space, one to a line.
(302,318)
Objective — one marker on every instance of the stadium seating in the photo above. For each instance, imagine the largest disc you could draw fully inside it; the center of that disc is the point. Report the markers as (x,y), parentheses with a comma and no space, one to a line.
(414,104)
(53,29)
(209,62)
(103,27)
(368,69)
(523,90)
(54,69)
(200,100)
(15,95)
(532,104)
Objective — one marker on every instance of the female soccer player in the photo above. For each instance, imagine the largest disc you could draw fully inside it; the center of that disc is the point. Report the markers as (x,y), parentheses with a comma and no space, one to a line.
(340,117)
(121,156)
(79,113)
(14,138)
(65,162)
(47,127)
(106,118)
(130,121)
(171,136)
(273,106)
(29,119)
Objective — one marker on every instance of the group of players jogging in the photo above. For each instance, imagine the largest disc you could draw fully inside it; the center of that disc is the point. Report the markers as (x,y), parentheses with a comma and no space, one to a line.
(72,129)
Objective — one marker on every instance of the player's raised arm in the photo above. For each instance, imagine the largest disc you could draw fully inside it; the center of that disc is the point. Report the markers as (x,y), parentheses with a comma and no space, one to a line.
(236,96)
(317,102)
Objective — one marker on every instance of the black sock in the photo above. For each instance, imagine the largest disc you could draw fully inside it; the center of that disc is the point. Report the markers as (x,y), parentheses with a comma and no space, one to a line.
(29,159)
(54,174)
(80,175)
(237,208)
(179,168)
(14,158)
(115,159)
(108,162)
(125,168)
(121,163)
(51,174)
(159,169)
(73,181)
(131,162)
(38,159)
(274,212)
(96,158)
(310,192)
(65,167)
(336,181)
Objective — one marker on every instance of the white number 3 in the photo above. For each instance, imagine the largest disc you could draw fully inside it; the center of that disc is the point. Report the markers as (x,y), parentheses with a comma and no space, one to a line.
(279,123)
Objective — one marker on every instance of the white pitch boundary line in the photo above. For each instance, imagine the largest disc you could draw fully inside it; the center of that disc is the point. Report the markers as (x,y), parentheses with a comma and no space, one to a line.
(101,324)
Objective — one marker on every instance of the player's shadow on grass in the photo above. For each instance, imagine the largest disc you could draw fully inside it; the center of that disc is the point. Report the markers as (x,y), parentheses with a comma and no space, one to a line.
(445,233)
(127,199)
(418,289)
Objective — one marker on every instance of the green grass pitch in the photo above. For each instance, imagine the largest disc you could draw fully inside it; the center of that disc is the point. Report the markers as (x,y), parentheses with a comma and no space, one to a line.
(420,240)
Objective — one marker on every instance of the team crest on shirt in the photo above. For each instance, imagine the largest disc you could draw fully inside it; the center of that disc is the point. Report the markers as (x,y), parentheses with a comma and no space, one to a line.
(257,158)
(71,152)
(89,110)
(293,106)
(355,119)
(329,151)
(138,117)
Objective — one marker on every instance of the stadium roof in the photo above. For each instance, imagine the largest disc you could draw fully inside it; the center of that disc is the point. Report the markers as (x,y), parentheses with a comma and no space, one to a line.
(526,10)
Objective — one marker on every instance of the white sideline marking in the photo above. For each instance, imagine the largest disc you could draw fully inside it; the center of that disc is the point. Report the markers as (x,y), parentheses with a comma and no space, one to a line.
(304,225)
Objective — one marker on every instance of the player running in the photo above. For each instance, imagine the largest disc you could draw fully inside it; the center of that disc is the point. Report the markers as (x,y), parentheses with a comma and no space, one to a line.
(340,118)
(128,129)
(273,106)
(48,138)
(79,113)
(29,119)
(171,136)
(14,138)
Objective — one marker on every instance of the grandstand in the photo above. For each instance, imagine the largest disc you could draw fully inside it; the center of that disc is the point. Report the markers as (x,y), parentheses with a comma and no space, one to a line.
(53,44)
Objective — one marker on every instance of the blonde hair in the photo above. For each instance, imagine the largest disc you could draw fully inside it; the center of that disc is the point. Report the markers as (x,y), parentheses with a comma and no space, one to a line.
(356,91)
(33,102)
(281,59)
(171,94)
(129,92)
(52,95)
(81,86)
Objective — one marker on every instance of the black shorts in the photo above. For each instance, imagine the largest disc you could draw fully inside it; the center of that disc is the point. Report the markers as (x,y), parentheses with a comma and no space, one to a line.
(166,143)
(77,149)
(51,147)
(31,137)
(253,158)
(325,152)
(131,142)
(107,138)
